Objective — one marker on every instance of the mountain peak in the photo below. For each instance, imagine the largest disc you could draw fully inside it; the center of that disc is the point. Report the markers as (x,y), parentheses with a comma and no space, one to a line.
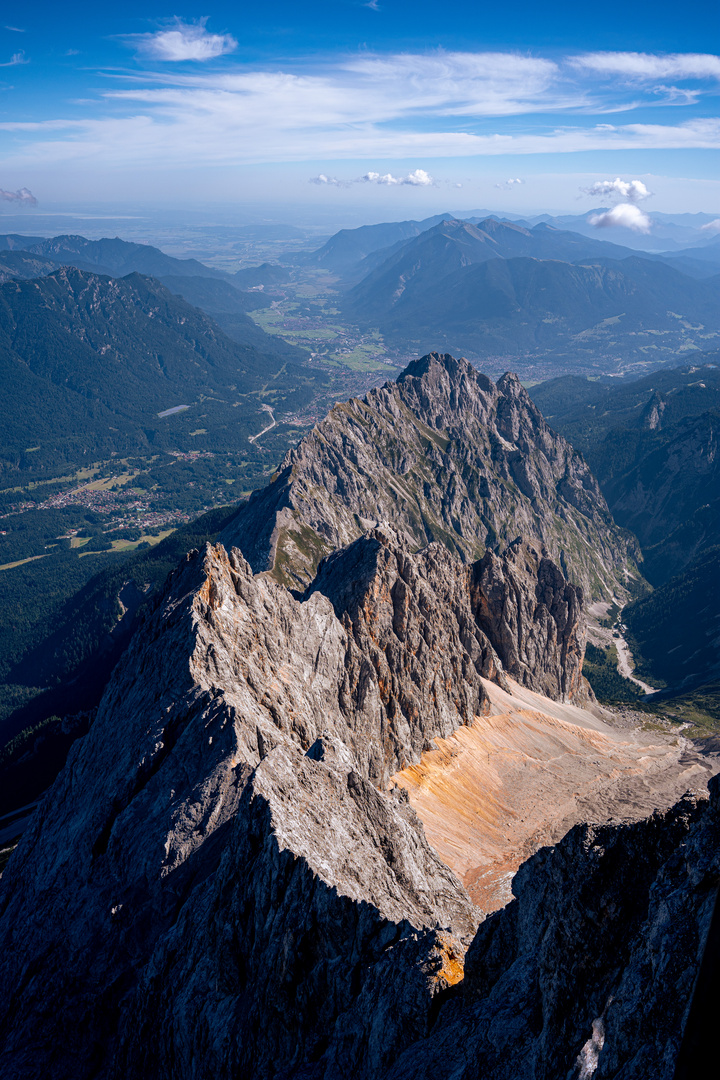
(416,369)
(442,455)
(509,383)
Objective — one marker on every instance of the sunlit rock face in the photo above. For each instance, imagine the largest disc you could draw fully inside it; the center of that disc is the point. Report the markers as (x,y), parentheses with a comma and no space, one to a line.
(227,815)
(240,873)
(444,454)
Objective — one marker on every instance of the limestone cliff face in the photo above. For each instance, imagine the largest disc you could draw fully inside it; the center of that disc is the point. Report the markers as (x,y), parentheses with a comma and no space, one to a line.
(427,619)
(535,618)
(221,884)
(219,873)
(444,454)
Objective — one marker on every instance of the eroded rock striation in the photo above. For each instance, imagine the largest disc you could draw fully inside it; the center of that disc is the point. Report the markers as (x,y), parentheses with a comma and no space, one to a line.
(219,871)
(223,880)
(228,880)
(524,604)
(444,454)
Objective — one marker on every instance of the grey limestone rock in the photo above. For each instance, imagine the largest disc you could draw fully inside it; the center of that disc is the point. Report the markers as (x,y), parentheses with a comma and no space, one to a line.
(233,784)
(219,883)
(444,454)
(534,617)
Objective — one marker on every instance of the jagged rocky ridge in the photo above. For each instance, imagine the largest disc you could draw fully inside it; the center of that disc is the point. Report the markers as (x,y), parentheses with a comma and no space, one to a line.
(444,454)
(219,873)
(219,884)
(224,882)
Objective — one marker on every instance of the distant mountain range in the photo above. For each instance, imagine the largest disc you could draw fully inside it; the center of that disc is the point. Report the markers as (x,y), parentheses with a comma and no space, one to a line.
(497,289)
(89,361)
(347,248)
(108,256)
(667,233)
(267,274)
(218,294)
(354,252)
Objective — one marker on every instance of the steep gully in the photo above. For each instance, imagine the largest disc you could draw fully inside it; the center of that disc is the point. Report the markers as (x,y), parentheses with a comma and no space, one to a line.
(233,875)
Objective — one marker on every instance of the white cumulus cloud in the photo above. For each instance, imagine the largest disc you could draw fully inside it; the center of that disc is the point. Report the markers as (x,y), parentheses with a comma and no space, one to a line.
(624,215)
(322,180)
(509,184)
(183,41)
(711,227)
(626,190)
(417,178)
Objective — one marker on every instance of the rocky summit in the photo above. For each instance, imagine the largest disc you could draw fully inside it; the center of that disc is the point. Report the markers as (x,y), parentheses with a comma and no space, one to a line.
(227,878)
(444,454)
(289,846)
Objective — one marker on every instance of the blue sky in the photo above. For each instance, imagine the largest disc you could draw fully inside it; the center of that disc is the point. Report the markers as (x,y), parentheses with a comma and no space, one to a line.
(399,106)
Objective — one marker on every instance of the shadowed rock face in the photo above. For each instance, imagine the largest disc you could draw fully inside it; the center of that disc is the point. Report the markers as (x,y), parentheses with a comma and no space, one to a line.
(590,971)
(444,454)
(218,871)
(430,618)
(535,618)
(219,883)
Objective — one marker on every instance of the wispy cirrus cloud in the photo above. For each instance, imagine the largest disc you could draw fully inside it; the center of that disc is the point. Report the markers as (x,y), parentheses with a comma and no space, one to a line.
(224,131)
(371,108)
(676,95)
(649,66)
(467,84)
(182,41)
(15,59)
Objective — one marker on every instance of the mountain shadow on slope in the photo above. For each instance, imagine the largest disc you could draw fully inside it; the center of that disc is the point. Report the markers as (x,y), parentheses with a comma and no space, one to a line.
(228,307)
(652,443)
(222,873)
(676,629)
(68,659)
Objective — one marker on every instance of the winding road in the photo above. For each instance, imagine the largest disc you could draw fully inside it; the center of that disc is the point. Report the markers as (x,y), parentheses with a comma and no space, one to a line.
(266,408)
